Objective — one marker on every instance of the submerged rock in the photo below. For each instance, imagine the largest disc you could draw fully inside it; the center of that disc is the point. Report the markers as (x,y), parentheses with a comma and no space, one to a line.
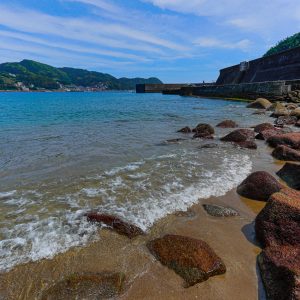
(209,146)
(285,153)
(203,131)
(278,223)
(220,211)
(259,186)
(246,144)
(92,286)
(227,124)
(174,141)
(260,103)
(190,258)
(185,130)
(116,224)
(289,139)
(239,135)
(189,213)
(262,127)
(280,270)
(290,173)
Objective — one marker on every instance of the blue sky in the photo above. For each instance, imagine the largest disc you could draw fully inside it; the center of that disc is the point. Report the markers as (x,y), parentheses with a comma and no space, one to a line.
(175,40)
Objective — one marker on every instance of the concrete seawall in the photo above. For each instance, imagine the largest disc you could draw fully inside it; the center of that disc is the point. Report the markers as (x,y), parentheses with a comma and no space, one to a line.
(158,88)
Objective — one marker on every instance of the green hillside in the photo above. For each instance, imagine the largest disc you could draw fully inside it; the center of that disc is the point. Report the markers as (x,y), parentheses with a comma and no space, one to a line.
(35,75)
(286,44)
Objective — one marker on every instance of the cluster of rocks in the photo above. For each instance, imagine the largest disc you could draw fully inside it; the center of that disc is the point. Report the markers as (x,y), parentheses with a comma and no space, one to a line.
(292,96)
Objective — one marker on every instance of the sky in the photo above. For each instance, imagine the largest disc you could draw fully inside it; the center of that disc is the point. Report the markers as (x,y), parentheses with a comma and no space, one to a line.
(177,41)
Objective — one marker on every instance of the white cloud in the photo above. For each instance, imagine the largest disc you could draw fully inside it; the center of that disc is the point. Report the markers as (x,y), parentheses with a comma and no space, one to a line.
(207,42)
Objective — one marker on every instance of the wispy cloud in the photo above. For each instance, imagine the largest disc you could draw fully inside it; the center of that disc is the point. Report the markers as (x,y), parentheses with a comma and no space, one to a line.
(208,42)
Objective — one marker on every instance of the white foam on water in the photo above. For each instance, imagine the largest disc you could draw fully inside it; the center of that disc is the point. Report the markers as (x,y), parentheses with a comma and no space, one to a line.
(161,186)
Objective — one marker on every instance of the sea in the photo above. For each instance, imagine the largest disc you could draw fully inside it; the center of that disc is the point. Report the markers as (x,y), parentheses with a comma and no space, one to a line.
(65,154)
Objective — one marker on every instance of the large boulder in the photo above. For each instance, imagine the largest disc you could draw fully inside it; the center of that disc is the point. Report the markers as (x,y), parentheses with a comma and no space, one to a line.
(227,124)
(262,127)
(291,139)
(115,224)
(203,131)
(290,173)
(276,106)
(260,103)
(278,223)
(220,211)
(185,130)
(190,258)
(280,271)
(91,286)
(285,153)
(259,186)
(264,135)
(280,113)
(239,135)
(296,113)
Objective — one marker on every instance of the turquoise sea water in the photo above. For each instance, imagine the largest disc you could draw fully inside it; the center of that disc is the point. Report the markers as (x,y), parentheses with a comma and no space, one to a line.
(63,154)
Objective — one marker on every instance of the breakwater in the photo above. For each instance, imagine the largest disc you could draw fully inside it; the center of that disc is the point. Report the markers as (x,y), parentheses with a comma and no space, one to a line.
(159,88)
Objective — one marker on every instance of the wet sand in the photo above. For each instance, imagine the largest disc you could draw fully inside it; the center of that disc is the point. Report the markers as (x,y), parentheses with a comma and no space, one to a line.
(233,239)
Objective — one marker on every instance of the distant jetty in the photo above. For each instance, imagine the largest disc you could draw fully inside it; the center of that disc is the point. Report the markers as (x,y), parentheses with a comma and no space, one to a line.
(276,77)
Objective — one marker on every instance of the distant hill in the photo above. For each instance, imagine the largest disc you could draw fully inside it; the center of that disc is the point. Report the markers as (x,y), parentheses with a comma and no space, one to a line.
(286,44)
(29,74)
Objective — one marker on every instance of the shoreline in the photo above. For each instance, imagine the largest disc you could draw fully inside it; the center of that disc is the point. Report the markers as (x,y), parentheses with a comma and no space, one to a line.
(233,239)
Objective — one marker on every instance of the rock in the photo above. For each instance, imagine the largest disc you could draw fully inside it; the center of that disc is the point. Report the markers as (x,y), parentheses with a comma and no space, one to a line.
(296,113)
(220,211)
(280,270)
(291,106)
(278,223)
(289,139)
(286,120)
(285,153)
(298,123)
(91,286)
(116,224)
(259,112)
(204,129)
(280,113)
(246,144)
(290,173)
(260,103)
(262,127)
(227,124)
(203,136)
(259,186)
(239,135)
(264,135)
(276,106)
(174,141)
(190,258)
(185,130)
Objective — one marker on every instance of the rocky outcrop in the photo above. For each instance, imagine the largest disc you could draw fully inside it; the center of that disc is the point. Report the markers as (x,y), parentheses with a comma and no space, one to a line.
(285,153)
(190,258)
(260,103)
(288,139)
(116,224)
(203,131)
(264,126)
(259,186)
(280,270)
(86,286)
(227,124)
(185,130)
(239,135)
(220,211)
(290,173)
(279,221)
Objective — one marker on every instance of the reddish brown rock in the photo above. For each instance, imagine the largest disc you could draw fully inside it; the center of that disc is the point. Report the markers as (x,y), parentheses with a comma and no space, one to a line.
(289,139)
(290,173)
(86,286)
(298,123)
(239,135)
(185,130)
(278,223)
(264,135)
(247,145)
(262,127)
(259,186)
(227,124)
(280,270)
(190,258)
(116,224)
(285,153)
